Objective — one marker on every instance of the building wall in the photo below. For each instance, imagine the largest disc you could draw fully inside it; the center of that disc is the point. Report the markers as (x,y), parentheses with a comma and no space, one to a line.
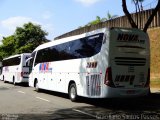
(119,22)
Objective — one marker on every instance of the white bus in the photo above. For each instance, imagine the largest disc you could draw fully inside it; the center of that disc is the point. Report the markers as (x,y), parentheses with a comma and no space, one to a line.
(15,69)
(108,62)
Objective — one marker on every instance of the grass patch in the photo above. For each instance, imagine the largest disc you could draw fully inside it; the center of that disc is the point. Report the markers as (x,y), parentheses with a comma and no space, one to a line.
(155,83)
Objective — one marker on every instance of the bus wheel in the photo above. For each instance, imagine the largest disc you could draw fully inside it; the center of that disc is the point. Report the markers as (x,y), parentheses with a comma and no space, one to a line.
(36,86)
(4,79)
(73,92)
(14,82)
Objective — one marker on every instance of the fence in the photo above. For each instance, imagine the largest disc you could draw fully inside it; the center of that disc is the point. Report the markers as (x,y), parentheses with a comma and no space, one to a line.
(119,22)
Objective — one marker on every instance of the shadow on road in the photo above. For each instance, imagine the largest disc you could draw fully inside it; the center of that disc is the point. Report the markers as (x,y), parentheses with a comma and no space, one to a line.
(22,84)
(58,94)
(142,108)
(125,109)
(149,105)
(18,84)
(151,102)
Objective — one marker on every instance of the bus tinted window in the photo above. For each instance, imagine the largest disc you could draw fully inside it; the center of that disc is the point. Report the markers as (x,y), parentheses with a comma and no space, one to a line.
(80,48)
(86,47)
(31,61)
(42,56)
(12,61)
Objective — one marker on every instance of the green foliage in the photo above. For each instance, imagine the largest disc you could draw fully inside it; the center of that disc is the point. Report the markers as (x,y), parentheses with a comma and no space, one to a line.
(25,39)
(28,36)
(98,19)
(7,46)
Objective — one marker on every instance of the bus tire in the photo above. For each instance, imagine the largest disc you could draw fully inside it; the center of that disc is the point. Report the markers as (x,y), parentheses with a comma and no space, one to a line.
(14,82)
(73,92)
(36,86)
(4,79)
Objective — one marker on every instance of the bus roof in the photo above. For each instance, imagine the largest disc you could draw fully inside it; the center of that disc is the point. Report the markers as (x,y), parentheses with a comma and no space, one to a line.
(16,55)
(67,39)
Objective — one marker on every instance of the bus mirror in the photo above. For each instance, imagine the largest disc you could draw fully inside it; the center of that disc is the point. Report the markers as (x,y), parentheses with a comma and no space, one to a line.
(28,60)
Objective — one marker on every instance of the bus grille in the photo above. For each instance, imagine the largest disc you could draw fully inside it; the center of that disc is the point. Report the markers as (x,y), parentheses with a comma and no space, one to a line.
(130,61)
(93,85)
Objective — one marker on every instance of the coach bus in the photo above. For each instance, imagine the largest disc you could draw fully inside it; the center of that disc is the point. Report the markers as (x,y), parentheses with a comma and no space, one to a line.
(15,68)
(104,63)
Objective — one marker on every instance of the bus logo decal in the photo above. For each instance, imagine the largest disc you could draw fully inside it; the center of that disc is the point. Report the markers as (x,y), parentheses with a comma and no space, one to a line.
(45,67)
(129,38)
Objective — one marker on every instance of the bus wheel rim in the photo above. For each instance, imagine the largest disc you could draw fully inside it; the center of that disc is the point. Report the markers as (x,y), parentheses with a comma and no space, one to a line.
(37,86)
(73,92)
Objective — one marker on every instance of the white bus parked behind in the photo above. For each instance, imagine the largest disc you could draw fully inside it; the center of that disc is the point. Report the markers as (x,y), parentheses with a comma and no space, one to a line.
(108,62)
(15,68)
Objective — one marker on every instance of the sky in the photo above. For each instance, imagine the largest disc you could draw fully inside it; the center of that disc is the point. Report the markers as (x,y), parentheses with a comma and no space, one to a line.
(57,16)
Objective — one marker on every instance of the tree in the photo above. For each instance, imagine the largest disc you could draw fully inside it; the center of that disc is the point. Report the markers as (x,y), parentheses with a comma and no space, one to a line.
(138,5)
(29,37)
(98,20)
(7,47)
(25,39)
(109,17)
(139,8)
(130,19)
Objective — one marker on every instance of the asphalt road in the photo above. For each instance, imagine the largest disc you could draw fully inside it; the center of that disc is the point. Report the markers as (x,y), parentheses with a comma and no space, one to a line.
(21,102)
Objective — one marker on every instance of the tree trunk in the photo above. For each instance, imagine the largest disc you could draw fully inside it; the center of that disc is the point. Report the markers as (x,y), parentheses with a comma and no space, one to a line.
(151,17)
(125,10)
